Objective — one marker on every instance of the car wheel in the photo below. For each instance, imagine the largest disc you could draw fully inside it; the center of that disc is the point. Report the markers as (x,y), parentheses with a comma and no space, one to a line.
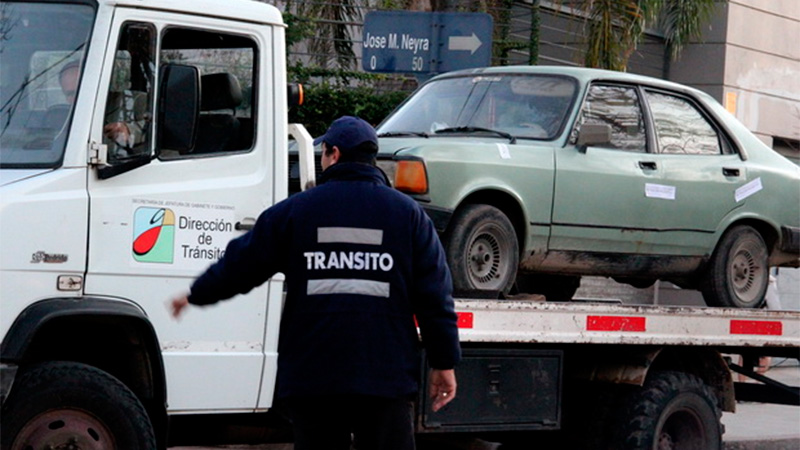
(673,411)
(555,288)
(738,273)
(482,250)
(72,405)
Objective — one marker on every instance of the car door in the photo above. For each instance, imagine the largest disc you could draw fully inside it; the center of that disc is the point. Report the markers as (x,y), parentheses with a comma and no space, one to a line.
(699,164)
(156,227)
(605,195)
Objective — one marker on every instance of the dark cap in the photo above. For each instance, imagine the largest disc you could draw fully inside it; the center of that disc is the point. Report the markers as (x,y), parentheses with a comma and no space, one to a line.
(348,132)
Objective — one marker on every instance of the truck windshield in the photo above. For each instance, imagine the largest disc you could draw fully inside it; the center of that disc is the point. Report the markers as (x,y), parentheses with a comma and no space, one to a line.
(43,48)
(523,106)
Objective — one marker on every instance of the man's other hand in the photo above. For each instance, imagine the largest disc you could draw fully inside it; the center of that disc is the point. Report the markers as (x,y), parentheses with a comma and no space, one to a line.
(441,387)
(177,306)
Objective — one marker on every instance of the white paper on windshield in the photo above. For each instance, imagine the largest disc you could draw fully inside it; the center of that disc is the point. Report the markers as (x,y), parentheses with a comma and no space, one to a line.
(659,191)
(748,189)
(503,149)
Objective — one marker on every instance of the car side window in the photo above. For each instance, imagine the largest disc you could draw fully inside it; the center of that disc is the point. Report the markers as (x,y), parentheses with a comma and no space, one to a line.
(127,120)
(680,128)
(618,107)
(227,67)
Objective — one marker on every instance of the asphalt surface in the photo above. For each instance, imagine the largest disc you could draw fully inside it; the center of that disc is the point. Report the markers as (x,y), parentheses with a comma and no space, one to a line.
(754,426)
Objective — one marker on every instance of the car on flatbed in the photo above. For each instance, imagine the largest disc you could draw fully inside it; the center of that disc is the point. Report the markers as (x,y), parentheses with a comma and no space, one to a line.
(536,176)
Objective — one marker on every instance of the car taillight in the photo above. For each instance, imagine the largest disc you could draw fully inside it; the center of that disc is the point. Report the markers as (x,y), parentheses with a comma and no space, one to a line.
(410,177)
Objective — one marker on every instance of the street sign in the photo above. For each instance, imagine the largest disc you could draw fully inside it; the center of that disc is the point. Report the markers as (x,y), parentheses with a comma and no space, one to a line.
(425,43)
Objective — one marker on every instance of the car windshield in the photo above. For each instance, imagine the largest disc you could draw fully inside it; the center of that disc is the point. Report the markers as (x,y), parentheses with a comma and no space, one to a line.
(523,106)
(42,46)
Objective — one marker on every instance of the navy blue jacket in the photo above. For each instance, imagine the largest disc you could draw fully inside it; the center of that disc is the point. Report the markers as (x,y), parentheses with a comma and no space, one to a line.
(361,261)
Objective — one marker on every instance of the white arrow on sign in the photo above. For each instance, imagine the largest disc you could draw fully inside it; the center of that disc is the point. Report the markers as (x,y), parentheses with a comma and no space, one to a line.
(471,43)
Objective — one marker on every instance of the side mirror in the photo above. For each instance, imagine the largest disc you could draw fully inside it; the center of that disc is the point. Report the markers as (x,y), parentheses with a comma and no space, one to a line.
(592,134)
(178,107)
(294,94)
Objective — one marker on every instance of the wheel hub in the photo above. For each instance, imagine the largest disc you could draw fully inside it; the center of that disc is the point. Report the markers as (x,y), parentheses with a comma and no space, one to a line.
(665,442)
(64,429)
(744,271)
(484,258)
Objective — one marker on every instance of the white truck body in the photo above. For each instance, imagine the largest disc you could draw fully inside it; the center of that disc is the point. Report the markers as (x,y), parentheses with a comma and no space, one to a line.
(75,286)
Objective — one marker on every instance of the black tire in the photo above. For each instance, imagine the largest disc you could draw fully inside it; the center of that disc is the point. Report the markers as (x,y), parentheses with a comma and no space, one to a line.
(738,273)
(555,288)
(67,403)
(673,411)
(482,250)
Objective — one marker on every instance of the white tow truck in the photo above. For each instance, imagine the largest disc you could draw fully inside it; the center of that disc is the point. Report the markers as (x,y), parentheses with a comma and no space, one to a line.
(137,137)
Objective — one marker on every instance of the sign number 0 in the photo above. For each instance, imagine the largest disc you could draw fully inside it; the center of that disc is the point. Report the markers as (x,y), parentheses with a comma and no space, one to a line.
(373,62)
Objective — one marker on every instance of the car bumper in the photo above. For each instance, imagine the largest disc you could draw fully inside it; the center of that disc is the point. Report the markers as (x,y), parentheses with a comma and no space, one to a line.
(791,240)
(440,217)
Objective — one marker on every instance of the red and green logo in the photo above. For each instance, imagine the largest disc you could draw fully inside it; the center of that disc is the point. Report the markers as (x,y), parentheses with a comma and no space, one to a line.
(153,235)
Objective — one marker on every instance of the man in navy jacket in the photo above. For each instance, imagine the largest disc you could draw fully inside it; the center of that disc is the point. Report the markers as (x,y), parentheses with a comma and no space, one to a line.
(362,261)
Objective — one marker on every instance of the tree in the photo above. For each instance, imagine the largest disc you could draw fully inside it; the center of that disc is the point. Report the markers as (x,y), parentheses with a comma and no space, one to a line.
(613,28)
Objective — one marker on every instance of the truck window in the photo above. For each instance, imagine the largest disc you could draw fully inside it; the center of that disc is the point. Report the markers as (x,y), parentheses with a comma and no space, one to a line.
(227,66)
(36,105)
(127,121)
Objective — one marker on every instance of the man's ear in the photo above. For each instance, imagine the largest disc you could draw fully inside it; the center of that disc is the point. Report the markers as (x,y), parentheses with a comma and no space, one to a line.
(335,155)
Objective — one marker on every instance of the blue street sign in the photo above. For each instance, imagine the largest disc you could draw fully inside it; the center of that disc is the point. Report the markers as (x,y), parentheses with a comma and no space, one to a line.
(424,43)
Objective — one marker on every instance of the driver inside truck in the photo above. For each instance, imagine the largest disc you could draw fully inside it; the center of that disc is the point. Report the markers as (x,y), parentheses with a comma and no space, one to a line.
(127,117)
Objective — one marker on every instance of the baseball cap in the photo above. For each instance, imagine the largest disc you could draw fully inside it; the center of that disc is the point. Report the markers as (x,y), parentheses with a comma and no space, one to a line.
(348,132)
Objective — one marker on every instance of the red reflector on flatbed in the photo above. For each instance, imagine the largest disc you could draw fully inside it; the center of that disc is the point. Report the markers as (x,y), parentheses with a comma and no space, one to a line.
(615,323)
(769,328)
(465,319)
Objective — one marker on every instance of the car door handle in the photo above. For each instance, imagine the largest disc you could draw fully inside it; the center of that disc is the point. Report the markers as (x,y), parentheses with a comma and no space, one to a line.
(648,165)
(247,224)
(729,172)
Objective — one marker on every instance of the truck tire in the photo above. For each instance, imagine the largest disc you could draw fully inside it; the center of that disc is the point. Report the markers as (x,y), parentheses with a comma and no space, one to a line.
(673,411)
(482,250)
(738,273)
(73,405)
(555,288)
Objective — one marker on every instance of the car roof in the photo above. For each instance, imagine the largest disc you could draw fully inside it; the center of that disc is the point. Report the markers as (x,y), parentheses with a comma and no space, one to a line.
(582,74)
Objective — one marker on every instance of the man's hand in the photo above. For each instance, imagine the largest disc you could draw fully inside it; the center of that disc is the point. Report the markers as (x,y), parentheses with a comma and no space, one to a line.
(441,387)
(177,305)
(118,132)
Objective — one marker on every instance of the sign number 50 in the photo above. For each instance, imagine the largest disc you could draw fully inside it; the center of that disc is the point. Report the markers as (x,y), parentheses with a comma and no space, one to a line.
(417,64)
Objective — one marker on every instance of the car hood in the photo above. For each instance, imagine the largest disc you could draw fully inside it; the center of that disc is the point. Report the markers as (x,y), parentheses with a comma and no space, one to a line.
(9,176)
(393,145)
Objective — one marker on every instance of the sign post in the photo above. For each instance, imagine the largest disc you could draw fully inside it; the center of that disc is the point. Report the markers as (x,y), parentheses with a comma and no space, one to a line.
(425,43)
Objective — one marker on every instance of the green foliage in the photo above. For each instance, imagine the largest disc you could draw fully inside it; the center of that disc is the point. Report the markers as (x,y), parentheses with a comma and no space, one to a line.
(325,102)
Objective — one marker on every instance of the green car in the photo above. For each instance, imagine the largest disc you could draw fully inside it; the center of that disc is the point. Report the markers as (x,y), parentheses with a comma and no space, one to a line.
(536,176)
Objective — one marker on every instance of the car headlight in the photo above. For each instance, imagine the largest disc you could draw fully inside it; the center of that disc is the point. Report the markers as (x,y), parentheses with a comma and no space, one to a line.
(406,175)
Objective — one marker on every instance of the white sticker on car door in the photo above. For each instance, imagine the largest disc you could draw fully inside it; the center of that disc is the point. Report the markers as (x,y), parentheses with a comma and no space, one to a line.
(659,191)
(748,189)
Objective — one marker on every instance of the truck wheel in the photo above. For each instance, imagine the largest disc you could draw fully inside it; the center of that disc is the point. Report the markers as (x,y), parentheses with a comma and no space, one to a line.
(72,405)
(482,250)
(673,411)
(738,272)
(555,288)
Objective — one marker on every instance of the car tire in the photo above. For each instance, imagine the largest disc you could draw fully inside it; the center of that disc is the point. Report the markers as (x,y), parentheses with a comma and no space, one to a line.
(482,250)
(555,288)
(738,273)
(672,410)
(68,404)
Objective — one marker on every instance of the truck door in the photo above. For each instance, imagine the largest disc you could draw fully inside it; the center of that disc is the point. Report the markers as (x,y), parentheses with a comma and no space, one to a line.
(158,222)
